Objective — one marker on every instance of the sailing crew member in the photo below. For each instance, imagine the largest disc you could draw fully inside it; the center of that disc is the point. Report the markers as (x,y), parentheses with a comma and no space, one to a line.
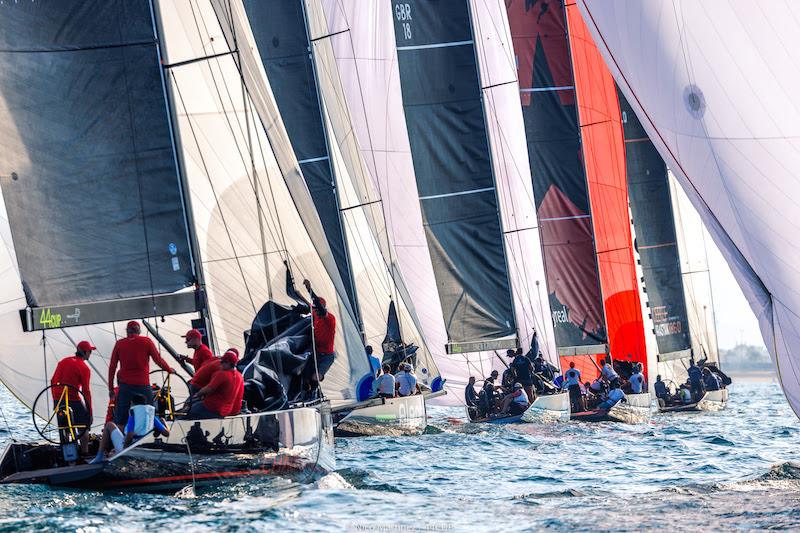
(406,381)
(324,324)
(572,382)
(637,380)
(517,402)
(374,362)
(223,395)
(615,395)
(470,396)
(74,371)
(661,389)
(609,374)
(695,380)
(202,353)
(142,420)
(524,371)
(508,380)
(203,376)
(685,394)
(385,384)
(132,354)
(710,381)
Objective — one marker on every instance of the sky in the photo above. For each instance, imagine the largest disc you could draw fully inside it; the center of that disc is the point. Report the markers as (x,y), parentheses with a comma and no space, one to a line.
(736,323)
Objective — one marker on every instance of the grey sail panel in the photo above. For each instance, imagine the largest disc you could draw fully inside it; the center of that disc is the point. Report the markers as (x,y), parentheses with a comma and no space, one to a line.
(280,31)
(449,146)
(656,241)
(87,167)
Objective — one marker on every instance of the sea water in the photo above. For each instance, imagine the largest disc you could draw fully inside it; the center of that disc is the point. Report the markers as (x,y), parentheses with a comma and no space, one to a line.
(680,472)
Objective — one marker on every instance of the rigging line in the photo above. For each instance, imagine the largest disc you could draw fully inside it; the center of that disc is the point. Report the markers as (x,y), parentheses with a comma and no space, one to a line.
(343,209)
(376,179)
(213,190)
(232,103)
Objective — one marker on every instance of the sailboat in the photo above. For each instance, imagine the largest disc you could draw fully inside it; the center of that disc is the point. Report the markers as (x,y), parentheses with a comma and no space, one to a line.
(577,165)
(463,162)
(186,204)
(293,44)
(670,242)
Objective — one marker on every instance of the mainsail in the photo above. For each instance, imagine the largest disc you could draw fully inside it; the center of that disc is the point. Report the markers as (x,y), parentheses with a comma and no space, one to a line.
(97,98)
(577,163)
(356,207)
(453,169)
(656,242)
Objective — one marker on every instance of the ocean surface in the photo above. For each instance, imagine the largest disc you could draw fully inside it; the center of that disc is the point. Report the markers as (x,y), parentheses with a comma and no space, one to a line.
(689,472)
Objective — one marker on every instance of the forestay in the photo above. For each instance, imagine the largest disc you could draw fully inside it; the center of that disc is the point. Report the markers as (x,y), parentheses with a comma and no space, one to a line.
(713,91)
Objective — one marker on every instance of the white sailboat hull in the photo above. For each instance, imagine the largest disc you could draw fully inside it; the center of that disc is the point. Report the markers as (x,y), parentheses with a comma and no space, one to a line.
(548,409)
(394,417)
(712,401)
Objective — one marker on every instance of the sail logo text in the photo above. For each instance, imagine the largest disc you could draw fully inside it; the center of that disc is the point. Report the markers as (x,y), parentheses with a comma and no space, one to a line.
(668,328)
(48,319)
(561,316)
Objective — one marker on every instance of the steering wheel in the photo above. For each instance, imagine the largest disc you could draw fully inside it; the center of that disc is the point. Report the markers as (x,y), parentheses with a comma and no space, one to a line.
(171,395)
(62,418)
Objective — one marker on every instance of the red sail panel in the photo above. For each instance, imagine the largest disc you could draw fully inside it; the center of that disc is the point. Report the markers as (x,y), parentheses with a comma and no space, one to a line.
(604,160)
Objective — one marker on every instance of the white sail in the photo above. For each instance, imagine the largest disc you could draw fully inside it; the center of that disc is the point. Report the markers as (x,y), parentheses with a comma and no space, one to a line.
(692,237)
(247,220)
(513,175)
(714,89)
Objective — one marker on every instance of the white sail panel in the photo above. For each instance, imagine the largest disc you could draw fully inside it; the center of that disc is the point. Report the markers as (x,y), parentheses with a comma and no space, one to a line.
(714,89)
(246,217)
(367,65)
(512,173)
(692,237)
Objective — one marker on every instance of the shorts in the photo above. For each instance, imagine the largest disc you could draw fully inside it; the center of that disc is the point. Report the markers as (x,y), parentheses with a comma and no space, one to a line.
(575,392)
(517,408)
(79,416)
(198,411)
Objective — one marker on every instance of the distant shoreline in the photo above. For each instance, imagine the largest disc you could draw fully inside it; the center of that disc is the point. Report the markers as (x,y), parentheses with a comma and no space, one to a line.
(753,376)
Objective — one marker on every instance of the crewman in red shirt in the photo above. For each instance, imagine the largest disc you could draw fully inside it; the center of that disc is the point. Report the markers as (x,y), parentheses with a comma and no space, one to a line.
(324,335)
(74,371)
(223,395)
(133,354)
(202,353)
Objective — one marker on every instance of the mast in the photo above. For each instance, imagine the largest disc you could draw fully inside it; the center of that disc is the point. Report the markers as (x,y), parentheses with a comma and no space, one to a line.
(169,99)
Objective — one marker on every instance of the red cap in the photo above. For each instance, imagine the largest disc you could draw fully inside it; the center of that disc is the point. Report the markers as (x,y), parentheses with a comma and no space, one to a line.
(234,350)
(322,302)
(193,334)
(85,346)
(231,357)
(133,325)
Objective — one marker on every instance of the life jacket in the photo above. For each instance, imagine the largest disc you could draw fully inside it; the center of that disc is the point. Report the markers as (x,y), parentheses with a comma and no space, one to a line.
(143,416)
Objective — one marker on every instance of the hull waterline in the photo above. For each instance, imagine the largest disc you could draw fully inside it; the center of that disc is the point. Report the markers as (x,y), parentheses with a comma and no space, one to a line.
(711,401)
(635,411)
(402,416)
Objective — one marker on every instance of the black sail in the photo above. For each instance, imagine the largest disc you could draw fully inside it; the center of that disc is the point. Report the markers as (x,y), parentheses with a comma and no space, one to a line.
(87,163)
(654,222)
(447,131)
(280,31)
(550,113)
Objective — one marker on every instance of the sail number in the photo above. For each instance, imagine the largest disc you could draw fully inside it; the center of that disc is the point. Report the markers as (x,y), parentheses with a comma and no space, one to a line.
(403,14)
(48,319)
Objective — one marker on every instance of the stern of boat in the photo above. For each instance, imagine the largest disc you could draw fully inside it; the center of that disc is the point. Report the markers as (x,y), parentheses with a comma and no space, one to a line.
(714,400)
(636,410)
(401,416)
(548,409)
